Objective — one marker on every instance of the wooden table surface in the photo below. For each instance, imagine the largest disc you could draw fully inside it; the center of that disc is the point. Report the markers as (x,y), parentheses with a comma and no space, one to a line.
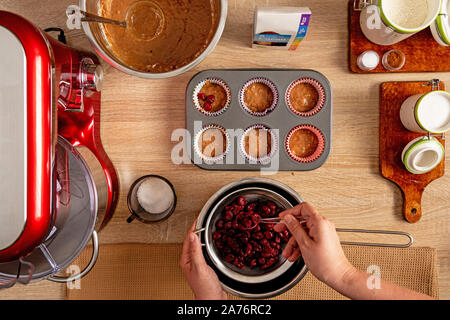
(139,115)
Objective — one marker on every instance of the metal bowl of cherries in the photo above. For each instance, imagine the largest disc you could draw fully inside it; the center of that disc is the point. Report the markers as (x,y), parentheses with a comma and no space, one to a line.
(244,249)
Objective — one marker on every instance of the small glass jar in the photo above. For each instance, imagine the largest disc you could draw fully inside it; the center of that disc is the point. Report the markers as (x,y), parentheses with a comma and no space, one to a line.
(393,60)
(368,60)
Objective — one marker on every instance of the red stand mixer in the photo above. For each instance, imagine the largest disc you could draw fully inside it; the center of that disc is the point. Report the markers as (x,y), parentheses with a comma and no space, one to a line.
(57,184)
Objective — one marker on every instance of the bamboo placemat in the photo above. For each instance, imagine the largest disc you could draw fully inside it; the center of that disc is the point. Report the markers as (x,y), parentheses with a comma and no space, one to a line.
(144,271)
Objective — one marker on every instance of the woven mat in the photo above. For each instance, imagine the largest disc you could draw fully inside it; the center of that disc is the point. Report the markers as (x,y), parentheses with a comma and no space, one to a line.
(140,271)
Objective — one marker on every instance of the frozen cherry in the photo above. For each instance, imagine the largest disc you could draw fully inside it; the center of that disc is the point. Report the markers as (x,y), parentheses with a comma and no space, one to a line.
(241,201)
(207,106)
(258,236)
(268,234)
(266,210)
(248,249)
(201,96)
(217,235)
(219,224)
(210,99)
(229,215)
(229,258)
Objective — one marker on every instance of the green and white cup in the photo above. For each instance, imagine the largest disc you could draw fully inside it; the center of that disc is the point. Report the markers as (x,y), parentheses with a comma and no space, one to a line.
(423,155)
(428,112)
(386,22)
(441,27)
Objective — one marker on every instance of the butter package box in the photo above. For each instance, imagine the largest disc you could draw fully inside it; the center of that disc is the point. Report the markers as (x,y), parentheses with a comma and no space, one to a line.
(280,27)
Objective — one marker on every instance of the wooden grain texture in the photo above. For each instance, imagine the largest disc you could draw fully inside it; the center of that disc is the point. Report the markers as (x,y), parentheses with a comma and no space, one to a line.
(393,139)
(423,53)
(138,117)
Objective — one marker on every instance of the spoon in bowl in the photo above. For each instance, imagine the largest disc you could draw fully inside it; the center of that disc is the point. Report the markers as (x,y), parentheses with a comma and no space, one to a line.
(144,19)
(260,220)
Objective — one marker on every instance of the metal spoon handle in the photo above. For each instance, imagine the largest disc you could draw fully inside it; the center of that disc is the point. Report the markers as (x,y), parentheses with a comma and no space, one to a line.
(90,17)
(278,219)
(385,245)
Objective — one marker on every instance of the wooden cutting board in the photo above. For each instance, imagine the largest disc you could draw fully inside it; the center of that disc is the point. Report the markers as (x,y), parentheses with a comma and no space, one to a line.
(393,139)
(423,53)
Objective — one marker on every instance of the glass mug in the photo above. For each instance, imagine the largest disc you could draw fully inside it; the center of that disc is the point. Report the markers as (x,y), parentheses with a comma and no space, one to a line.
(151,193)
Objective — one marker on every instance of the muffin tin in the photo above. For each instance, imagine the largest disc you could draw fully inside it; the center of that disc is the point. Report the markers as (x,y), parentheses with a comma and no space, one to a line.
(236,119)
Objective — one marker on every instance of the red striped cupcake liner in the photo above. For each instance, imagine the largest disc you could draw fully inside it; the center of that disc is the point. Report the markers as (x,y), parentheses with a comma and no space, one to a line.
(320,147)
(199,87)
(272,87)
(274,145)
(320,102)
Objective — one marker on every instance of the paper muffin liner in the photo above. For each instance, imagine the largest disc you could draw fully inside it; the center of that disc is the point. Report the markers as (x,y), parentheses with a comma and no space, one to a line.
(320,147)
(320,102)
(274,146)
(272,87)
(211,160)
(199,87)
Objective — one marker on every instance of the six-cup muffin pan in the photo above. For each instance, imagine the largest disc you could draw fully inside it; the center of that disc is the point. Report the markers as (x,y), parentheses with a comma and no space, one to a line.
(236,118)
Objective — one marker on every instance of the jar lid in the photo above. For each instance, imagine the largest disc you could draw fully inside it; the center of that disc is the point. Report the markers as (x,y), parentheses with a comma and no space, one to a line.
(423,155)
(432,112)
(27,137)
(441,28)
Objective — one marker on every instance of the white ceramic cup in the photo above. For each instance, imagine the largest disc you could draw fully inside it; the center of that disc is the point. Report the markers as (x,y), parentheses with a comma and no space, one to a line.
(440,29)
(428,112)
(422,155)
(378,26)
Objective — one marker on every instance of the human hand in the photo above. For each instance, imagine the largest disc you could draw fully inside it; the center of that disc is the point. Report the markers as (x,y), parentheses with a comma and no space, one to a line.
(317,242)
(200,277)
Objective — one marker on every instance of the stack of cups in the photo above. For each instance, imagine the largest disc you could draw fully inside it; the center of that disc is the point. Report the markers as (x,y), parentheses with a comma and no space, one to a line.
(425,113)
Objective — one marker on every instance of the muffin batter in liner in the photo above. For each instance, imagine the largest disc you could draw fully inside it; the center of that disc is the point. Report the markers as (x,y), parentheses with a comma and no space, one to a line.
(207,159)
(274,145)
(199,87)
(320,100)
(320,144)
(271,86)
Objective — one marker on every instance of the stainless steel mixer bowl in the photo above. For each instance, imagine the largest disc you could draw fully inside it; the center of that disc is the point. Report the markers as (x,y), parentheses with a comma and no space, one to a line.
(229,277)
(94,33)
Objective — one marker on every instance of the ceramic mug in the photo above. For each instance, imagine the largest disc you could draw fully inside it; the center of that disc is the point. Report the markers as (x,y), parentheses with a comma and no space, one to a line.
(441,27)
(422,155)
(378,26)
(428,112)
